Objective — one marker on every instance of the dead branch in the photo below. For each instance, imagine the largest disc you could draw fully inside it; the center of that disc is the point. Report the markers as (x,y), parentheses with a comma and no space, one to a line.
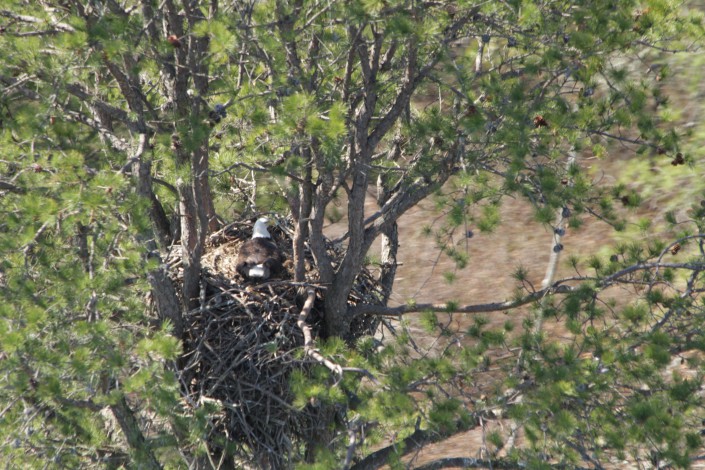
(556,246)
(6,186)
(471,462)
(558,287)
(478,308)
(309,348)
(353,428)
(478,57)
(34,20)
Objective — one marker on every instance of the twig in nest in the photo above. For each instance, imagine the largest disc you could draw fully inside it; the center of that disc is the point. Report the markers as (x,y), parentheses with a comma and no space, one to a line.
(311,351)
(308,338)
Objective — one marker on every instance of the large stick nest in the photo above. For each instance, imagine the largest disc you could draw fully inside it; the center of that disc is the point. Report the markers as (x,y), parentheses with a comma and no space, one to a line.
(243,343)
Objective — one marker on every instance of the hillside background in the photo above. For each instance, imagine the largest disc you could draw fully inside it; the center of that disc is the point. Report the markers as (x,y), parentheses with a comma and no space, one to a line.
(520,241)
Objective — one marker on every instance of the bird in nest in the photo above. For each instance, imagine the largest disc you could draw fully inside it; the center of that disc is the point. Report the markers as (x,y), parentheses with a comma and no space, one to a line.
(259,257)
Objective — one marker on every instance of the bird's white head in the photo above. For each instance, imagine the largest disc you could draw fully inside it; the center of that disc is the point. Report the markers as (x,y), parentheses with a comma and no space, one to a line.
(260,230)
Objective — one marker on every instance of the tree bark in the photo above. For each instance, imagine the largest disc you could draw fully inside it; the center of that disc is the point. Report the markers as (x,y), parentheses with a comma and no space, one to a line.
(390,246)
(203,198)
(191,245)
(168,307)
(390,236)
(131,429)
(337,320)
(301,218)
(142,168)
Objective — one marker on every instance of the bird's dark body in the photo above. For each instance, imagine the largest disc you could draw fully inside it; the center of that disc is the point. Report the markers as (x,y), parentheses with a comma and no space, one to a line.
(259,251)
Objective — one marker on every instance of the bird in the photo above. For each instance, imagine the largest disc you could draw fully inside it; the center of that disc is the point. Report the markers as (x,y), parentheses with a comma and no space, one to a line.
(259,257)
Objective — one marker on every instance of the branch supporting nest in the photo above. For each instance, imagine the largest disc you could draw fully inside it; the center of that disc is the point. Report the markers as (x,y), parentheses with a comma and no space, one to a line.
(309,347)
(314,353)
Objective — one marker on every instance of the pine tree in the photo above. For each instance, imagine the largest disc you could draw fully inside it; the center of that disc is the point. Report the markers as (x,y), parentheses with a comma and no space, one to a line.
(129,128)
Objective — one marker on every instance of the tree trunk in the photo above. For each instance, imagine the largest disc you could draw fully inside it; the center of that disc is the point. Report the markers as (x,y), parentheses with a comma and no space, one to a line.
(202,192)
(165,297)
(337,320)
(390,236)
(191,246)
(301,234)
(162,228)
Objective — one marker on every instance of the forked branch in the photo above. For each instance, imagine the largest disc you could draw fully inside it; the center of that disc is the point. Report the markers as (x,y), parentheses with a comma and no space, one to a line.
(311,350)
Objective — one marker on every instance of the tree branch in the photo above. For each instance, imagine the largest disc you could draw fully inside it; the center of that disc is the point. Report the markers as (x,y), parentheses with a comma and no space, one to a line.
(131,429)
(63,27)
(301,209)
(558,287)
(416,441)
(421,438)
(166,299)
(471,462)
(317,241)
(309,348)
(116,113)
(381,310)
(408,195)
(7,186)
(556,246)
(352,445)
(413,76)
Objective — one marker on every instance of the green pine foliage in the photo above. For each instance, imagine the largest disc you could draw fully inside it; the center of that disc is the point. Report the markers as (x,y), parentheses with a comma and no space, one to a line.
(467,104)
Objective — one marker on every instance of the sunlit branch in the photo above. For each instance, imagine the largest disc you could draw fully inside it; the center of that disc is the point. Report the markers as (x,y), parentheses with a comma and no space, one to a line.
(558,287)
(63,27)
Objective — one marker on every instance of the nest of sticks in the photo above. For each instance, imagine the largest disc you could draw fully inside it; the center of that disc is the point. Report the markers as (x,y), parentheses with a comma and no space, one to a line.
(242,345)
